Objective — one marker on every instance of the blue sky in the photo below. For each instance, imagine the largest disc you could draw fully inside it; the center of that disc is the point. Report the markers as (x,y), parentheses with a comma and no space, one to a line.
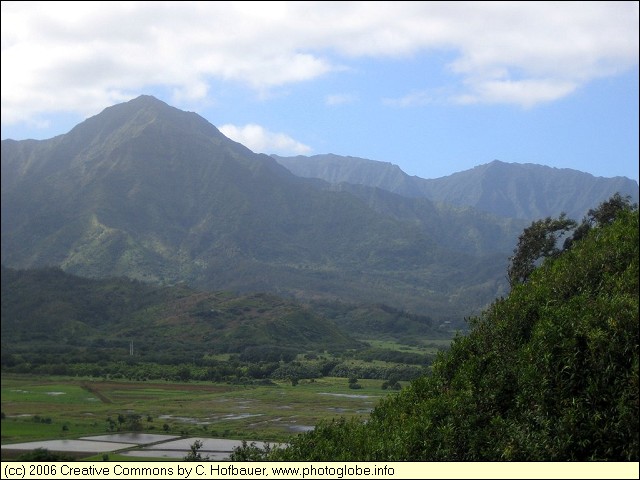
(434,87)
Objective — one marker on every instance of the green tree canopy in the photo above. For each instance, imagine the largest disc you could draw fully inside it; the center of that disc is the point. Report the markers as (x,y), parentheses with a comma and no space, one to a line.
(538,241)
(541,239)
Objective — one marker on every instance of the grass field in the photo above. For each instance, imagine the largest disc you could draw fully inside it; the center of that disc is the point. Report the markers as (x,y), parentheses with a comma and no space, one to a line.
(432,346)
(38,407)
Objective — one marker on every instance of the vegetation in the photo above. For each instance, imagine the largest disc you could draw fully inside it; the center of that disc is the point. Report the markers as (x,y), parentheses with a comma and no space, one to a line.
(44,455)
(55,323)
(539,240)
(380,320)
(194,454)
(549,373)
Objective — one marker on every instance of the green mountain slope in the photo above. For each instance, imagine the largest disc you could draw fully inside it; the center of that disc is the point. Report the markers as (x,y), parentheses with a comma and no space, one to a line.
(462,229)
(549,373)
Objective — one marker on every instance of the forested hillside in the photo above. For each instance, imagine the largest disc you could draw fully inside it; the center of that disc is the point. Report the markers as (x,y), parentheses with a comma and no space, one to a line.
(549,373)
(50,317)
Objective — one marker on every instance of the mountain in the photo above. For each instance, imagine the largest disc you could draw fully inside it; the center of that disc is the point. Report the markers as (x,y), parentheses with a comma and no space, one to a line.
(154,193)
(526,191)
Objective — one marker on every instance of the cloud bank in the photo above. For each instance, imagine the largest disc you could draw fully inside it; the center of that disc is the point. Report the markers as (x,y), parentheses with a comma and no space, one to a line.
(84,56)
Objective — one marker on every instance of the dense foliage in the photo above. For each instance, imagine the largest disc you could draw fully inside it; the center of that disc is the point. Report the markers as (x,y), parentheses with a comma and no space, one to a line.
(549,373)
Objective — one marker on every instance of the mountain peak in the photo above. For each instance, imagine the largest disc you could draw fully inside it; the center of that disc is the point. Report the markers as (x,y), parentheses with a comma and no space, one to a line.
(129,119)
(143,130)
(148,99)
(146,103)
(142,103)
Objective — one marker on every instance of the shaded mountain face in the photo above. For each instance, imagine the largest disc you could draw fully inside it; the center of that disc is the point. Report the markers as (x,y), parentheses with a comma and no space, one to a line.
(158,194)
(528,190)
(524,191)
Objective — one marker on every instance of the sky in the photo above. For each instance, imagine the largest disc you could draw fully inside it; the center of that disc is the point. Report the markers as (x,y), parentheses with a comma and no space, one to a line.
(433,87)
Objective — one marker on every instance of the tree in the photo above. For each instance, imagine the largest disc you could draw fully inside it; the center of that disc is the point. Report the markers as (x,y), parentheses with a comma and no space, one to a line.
(538,241)
(134,422)
(184,373)
(608,210)
(194,454)
(353,383)
(603,214)
(250,452)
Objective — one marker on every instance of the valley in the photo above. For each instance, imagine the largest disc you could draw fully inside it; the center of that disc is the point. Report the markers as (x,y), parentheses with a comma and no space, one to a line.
(161,279)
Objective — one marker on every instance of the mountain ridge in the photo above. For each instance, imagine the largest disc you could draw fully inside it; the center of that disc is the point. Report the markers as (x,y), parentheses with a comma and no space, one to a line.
(519,190)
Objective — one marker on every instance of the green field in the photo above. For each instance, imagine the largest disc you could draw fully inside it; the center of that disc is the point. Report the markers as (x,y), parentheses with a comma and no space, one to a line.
(37,408)
(430,346)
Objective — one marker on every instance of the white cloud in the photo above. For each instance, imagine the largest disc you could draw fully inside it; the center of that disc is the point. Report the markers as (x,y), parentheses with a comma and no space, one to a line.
(261,140)
(525,93)
(84,56)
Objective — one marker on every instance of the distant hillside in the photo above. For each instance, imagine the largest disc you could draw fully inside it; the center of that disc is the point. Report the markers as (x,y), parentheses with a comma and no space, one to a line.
(525,191)
(54,309)
(337,169)
(380,321)
(528,190)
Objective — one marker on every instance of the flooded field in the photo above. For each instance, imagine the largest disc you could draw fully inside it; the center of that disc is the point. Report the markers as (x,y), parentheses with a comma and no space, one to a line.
(213,448)
(88,446)
(93,416)
(137,445)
